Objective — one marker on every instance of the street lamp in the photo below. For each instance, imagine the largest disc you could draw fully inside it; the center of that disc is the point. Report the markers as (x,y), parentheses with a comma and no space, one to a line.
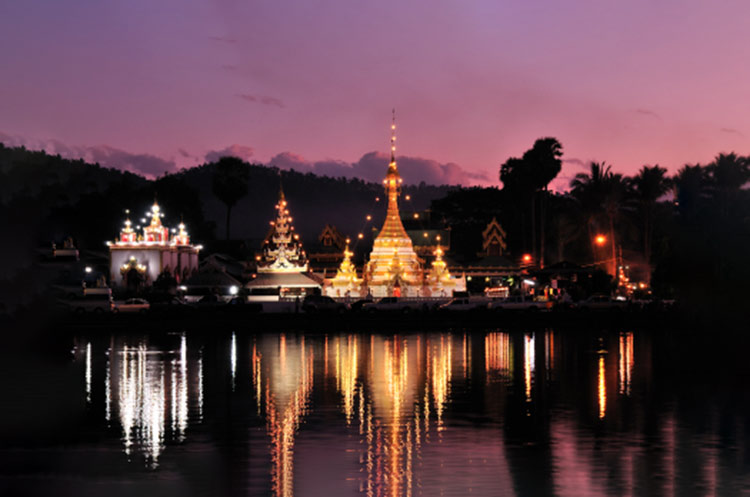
(526,258)
(600,240)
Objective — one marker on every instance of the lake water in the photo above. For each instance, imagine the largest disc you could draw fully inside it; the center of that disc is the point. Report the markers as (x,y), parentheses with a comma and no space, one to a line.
(565,413)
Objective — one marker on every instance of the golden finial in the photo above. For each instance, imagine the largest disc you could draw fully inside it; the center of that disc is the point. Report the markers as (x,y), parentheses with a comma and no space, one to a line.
(393,137)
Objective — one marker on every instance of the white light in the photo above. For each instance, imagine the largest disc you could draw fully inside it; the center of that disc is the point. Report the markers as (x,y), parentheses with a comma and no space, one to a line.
(529,282)
(88,269)
(182,288)
(233,290)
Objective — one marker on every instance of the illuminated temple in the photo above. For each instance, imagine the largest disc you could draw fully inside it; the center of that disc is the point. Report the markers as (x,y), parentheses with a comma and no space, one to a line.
(137,259)
(282,269)
(394,269)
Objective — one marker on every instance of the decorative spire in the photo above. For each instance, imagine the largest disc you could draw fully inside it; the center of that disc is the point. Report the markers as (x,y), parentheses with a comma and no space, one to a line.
(393,139)
(282,251)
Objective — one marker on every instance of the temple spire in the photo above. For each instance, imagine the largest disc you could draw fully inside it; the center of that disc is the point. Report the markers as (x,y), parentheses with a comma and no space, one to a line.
(393,138)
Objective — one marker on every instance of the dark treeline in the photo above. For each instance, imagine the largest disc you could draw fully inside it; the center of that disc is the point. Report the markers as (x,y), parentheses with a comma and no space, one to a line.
(46,198)
(687,234)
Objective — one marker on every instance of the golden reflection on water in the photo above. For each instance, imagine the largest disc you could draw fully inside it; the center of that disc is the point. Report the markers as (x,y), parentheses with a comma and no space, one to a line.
(393,405)
(286,391)
(346,372)
(602,387)
(626,362)
(498,355)
(529,363)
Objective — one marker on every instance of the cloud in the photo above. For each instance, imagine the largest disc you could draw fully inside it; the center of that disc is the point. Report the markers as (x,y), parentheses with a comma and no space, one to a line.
(184,153)
(731,131)
(147,165)
(372,166)
(261,99)
(649,113)
(229,67)
(222,39)
(240,151)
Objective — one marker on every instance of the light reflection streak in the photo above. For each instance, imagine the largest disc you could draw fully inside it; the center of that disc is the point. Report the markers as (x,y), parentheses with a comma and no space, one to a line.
(602,388)
(626,362)
(498,354)
(233,358)
(88,372)
(148,393)
(287,388)
(200,386)
(529,363)
(549,353)
(107,389)
(441,378)
(257,376)
(346,373)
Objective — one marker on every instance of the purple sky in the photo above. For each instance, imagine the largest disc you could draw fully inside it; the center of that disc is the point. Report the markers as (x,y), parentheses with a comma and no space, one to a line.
(154,86)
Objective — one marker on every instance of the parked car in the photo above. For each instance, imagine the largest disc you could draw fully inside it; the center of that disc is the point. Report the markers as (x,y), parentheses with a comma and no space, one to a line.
(464,304)
(322,303)
(99,303)
(132,305)
(359,304)
(602,302)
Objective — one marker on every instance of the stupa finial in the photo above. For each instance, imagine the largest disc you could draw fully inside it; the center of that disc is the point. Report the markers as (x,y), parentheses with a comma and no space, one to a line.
(393,137)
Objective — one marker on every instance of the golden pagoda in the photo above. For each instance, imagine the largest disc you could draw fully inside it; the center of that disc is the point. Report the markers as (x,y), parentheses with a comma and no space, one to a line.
(394,268)
(346,282)
(439,280)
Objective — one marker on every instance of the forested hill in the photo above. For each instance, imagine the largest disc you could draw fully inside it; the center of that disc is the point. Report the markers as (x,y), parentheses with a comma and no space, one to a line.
(48,198)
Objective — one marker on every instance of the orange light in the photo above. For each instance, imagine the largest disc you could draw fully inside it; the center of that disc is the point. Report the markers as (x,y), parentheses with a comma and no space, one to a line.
(360,236)
(408,197)
(369,217)
(416,216)
(526,257)
(600,239)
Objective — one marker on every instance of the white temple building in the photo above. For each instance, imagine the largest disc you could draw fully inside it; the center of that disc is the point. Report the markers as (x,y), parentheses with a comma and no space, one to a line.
(139,258)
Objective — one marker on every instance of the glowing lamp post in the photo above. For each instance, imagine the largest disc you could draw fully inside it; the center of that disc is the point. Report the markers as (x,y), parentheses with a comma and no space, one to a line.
(600,240)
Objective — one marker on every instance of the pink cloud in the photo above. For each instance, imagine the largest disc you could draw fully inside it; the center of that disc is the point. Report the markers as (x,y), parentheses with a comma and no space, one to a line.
(147,165)
(240,151)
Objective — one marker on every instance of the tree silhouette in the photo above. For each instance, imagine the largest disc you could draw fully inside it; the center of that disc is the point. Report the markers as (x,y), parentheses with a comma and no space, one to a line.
(524,177)
(650,184)
(543,159)
(230,183)
(601,192)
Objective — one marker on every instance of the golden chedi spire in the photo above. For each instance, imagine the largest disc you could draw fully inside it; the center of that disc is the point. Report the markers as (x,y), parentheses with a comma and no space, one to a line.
(392,248)
(346,279)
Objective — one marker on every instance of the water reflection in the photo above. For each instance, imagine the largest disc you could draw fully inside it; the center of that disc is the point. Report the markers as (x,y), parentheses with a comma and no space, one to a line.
(146,389)
(543,413)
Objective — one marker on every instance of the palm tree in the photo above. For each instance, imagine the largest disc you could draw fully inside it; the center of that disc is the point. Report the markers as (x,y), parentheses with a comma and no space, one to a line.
(544,161)
(229,182)
(691,189)
(728,174)
(588,190)
(649,185)
(601,191)
(533,173)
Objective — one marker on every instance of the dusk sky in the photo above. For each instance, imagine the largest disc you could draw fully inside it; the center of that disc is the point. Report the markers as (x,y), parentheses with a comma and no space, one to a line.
(153,86)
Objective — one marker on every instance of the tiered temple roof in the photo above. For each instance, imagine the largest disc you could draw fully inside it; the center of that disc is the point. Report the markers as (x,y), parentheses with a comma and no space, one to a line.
(282,249)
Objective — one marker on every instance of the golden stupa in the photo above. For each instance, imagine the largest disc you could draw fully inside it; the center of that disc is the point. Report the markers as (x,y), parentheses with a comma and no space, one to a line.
(394,268)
